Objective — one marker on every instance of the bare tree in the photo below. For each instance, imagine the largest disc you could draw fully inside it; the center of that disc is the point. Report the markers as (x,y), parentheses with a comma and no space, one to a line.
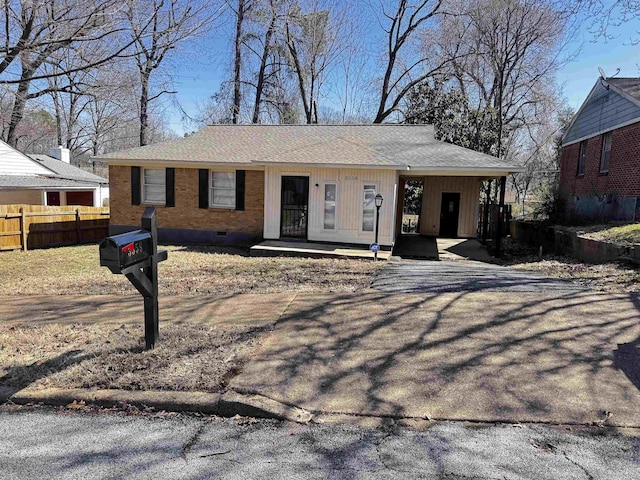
(241,9)
(35,31)
(404,23)
(172,22)
(265,56)
(315,40)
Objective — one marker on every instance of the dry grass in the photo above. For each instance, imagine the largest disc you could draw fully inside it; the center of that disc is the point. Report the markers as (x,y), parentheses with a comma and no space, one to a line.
(189,357)
(608,277)
(188,271)
(98,356)
(625,234)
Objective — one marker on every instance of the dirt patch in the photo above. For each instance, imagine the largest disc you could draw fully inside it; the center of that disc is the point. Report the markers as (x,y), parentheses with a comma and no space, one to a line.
(189,357)
(188,271)
(608,277)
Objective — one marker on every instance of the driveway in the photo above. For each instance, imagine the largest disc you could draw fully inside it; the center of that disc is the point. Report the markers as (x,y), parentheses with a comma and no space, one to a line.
(559,358)
(414,276)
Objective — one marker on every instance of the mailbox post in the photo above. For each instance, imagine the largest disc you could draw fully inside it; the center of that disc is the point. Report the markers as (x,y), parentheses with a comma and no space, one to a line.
(136,256)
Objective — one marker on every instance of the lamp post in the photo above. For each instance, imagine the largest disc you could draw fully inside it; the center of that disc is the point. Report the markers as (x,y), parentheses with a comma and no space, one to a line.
(378,200)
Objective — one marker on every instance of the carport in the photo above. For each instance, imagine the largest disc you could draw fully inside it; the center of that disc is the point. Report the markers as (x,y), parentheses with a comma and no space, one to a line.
(439,205)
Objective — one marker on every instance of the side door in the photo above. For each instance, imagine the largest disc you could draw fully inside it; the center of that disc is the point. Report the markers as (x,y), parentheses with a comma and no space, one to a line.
(449,214)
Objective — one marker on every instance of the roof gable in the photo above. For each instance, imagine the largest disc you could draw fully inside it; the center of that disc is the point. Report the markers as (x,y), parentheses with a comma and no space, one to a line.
(611,103)
(14,162)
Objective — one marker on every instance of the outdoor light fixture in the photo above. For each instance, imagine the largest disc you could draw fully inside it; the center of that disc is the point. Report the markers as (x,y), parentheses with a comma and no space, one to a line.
(378,199)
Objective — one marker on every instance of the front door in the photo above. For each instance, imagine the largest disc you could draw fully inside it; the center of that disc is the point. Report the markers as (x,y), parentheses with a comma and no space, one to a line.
(449,213)
(295,207)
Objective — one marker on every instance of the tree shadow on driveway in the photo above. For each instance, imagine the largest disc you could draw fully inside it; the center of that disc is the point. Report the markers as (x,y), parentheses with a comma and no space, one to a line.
(461,356)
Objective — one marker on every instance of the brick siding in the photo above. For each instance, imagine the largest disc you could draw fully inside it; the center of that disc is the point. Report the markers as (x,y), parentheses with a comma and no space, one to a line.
(186,214)
(623,178)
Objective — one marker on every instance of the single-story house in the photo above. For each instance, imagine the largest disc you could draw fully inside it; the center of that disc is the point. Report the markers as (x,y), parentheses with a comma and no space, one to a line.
(47,180)
(600,164)
(241,183)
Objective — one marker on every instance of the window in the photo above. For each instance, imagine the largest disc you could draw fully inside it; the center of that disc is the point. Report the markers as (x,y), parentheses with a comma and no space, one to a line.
(153,186)
(582,159)
(330,190)
(606,152)
(368,208)
(223,189)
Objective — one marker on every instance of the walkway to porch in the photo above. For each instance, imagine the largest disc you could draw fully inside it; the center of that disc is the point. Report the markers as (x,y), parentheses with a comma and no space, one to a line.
(277,248)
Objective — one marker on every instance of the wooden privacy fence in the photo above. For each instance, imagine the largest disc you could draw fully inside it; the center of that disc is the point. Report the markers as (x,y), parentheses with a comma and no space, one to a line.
(34,226)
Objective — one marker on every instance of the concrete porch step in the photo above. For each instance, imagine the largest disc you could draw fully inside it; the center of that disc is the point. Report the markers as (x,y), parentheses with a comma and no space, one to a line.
(276,248)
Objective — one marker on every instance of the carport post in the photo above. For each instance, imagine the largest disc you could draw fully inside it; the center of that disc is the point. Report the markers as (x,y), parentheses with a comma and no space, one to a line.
(503,182)
(485,212)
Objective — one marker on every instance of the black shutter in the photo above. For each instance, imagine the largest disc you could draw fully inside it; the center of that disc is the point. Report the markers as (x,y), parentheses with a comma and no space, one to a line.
(170,187)
(239,189)
(203,188)
(135,185)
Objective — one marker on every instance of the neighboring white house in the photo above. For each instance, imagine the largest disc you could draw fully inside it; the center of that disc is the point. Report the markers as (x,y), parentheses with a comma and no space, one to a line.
(47,180)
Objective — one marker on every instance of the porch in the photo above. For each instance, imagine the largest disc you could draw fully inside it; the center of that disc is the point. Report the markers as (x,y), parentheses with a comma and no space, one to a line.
(278,248)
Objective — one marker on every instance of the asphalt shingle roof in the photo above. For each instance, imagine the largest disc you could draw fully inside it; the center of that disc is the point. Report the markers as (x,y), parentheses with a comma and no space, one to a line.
(31,181)
(629,85)
(67,171)
(385,145)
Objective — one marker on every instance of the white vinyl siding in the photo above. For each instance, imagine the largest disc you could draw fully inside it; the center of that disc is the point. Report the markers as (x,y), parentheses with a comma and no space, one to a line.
(606,152)
(222,193)
(15,163)
(368,207)
(154,188)
(330,197)
(349,187)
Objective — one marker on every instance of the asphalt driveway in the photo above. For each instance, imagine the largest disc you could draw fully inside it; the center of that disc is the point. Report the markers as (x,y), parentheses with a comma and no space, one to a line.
(414,276)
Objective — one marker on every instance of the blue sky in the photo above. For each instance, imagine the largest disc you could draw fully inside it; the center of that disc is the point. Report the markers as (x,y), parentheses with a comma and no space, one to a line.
(200,78)
(578,77)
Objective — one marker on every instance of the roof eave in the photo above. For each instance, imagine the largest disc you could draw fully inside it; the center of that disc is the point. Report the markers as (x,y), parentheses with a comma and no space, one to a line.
(162,161)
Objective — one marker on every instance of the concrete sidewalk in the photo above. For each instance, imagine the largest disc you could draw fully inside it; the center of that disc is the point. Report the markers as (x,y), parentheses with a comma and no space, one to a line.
(248,309)
(561,357)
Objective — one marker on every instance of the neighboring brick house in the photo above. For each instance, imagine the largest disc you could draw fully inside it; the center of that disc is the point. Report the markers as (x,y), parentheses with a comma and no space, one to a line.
(241,183)
(600,165)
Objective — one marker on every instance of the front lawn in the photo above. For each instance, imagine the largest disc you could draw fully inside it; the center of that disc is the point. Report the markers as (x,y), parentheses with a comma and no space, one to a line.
(188,271)
(189,357)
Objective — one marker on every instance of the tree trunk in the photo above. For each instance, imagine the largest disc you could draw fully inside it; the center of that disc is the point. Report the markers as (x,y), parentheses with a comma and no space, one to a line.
(238,63)
(18,111)
(263,66)
(299,74)
(144,106)
(58,115)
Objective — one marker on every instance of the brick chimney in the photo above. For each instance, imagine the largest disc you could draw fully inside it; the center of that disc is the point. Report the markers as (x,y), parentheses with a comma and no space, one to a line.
(61,153)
